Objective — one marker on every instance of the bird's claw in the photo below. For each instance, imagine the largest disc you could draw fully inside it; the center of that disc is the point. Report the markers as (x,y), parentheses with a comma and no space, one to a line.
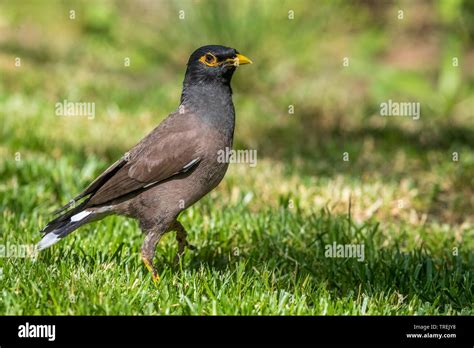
(181,249)
(177,258)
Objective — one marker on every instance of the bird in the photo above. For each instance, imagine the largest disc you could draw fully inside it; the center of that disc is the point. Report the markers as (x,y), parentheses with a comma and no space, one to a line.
(171,168)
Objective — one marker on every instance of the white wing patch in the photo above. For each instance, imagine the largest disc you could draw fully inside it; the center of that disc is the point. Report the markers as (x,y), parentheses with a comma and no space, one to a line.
(80,216)
(184,169)
(190,164)
(148,185)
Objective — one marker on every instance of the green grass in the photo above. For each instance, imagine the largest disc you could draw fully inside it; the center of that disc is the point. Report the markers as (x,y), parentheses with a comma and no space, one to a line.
(261,235)
(270,262)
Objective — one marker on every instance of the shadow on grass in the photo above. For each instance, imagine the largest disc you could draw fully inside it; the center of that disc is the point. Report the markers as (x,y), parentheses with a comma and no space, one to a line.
(309,148)
(432,274)
(320,151)
(399,271)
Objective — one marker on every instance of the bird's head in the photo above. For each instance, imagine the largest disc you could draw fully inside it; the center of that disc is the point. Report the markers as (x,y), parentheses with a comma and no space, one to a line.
(213,63)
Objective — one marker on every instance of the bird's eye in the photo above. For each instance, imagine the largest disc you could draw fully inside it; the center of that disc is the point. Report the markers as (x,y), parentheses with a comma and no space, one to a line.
(209,59)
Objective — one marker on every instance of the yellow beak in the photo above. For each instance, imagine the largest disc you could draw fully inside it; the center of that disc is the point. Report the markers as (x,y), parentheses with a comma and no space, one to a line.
(241,60)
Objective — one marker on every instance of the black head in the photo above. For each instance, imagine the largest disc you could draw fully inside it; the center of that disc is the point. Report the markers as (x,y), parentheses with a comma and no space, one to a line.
(213,63)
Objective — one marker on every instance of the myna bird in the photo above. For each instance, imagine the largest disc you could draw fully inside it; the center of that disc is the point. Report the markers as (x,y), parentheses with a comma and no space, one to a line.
(172,167)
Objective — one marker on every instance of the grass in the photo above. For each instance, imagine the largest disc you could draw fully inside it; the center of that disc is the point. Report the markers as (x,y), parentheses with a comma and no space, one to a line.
(270,262)
(261,235)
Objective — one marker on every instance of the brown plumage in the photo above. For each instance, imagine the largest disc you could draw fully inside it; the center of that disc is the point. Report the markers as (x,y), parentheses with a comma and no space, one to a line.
(171,168)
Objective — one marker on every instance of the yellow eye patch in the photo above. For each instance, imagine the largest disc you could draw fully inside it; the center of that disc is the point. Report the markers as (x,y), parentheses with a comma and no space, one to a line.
(209,59)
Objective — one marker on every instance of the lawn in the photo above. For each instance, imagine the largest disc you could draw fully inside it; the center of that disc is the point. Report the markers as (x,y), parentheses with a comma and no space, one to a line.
(330,168)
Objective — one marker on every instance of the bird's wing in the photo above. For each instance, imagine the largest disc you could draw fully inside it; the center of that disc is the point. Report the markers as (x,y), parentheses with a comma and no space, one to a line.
(96,184)
(172,148)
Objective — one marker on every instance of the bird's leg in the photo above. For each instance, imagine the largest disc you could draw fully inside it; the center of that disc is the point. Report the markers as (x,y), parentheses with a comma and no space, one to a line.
(181,235)
(148,252)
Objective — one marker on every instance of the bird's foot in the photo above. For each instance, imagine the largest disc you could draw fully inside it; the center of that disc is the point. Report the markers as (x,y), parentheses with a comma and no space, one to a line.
(149,266)
(182,245)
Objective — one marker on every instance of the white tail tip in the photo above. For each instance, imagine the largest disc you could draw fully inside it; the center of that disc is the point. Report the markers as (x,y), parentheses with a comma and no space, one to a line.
(47,241)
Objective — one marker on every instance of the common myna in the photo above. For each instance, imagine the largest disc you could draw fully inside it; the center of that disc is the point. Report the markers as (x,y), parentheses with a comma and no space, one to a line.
(172,167)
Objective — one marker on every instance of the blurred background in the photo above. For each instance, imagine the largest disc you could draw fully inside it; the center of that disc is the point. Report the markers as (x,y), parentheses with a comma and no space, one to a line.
(400,50)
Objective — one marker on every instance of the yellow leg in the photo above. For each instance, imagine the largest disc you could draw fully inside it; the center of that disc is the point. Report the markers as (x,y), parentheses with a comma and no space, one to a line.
(148,252)
(154,274)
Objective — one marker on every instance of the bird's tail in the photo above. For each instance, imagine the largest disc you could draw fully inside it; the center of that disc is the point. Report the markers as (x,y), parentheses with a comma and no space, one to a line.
(64,224)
